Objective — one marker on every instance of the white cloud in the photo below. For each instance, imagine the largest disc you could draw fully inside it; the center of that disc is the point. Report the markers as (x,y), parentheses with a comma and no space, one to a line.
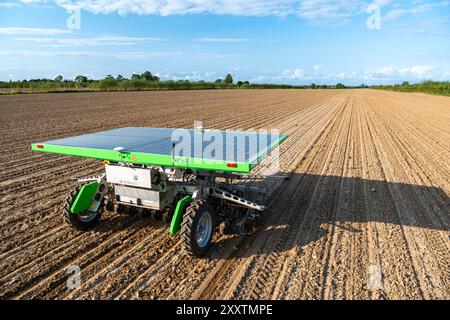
(180,7)
(387,74)
(328,12)
(33,31)
(210,55)
(419,72)
(261,79)
(191,76)
(127,55)
(332,12)
(398,13)
(426,27)
(221,40)
(97,41)
(430,6)
(320,12)
(395,14)
(197,76)
(33,1)
(32,53)
(297,74)
(345,75)
(288,74)
(140,55)
(381,3)
(10,5)
(387,70)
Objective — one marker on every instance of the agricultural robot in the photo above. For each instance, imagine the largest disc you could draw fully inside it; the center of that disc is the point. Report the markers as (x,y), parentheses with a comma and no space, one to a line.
(146,171)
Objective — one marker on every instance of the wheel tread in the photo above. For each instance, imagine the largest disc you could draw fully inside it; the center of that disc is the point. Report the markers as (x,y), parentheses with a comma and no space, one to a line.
(187,225)
(72,220)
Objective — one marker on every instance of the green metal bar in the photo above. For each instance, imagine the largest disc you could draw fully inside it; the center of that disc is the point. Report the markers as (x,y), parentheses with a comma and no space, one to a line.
(143,158)
(175,224)
(83,199)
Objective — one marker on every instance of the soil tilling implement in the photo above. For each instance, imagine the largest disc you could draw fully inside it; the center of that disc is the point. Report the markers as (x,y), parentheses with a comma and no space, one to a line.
(194,184)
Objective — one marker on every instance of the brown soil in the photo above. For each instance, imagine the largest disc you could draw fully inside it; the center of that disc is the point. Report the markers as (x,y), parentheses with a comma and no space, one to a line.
(364,215)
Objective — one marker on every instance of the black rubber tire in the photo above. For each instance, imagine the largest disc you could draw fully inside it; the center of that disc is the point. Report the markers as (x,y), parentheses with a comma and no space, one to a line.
(73,220)
(191,217)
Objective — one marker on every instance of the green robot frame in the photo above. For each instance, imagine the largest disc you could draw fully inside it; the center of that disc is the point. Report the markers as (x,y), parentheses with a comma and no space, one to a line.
(193,195)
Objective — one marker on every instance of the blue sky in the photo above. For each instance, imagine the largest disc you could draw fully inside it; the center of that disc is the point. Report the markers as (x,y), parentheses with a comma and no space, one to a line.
(270,41)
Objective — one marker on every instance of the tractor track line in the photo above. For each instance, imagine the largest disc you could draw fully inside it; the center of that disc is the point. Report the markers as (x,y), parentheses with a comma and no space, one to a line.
(223,270)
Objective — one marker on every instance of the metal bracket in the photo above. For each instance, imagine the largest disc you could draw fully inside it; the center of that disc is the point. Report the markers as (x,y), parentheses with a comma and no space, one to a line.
(89,179)
(221,194)
(102,190)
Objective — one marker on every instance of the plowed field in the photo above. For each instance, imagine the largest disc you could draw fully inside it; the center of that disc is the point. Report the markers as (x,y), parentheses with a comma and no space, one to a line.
(364,215)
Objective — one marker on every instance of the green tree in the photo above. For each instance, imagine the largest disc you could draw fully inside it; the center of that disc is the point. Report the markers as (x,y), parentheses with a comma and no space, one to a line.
(135,76)
(109,77)
(228,79)
(120,77)
(147,75)
(246,83)
(218,81)
(81,79)
(405,83)
(59,78)
(313,85)
(239,83)
(340,86)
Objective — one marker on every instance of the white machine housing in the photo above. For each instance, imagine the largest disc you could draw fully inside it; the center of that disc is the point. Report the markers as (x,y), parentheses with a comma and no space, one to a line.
(141,187)
(129,176)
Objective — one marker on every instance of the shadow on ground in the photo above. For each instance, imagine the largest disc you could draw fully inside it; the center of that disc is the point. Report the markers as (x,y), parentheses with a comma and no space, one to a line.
(299,215)
(303,205)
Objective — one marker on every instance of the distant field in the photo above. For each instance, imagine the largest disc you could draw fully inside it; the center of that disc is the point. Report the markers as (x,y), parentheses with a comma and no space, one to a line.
(364,215)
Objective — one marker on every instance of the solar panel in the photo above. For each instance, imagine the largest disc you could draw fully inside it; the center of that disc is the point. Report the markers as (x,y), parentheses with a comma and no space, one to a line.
(187,148)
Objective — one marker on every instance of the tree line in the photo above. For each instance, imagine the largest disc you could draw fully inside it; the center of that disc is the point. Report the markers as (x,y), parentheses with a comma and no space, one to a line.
(432,87)
(149,81)
(145,80)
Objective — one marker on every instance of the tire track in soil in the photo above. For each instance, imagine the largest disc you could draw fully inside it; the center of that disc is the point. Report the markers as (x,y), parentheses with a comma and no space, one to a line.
(319,216)
(271,245)
(409,211)
(285,152)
